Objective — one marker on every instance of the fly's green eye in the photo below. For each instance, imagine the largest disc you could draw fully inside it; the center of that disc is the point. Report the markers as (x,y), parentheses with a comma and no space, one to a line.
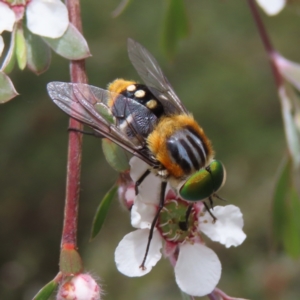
(204,183)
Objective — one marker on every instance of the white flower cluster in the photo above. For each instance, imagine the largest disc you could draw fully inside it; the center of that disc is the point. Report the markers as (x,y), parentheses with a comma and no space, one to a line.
(47,18)
(197,267)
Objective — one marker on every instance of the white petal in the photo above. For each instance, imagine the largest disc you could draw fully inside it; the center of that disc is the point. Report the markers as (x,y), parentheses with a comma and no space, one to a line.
(149,189)
(7,18)
(137,168)
(142,214)
(271,7)
(47,17)
(1,45)
(228,227)
(130,252)
(198,269)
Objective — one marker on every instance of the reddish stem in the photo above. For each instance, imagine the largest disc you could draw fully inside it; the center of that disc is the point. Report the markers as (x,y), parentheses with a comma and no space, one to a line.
(218,294)
(77,74)
(266,42)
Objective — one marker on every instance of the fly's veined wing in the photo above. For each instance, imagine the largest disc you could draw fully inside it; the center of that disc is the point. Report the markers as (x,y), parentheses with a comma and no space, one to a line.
(152,75)
(64,96)
(73,98)
(88,104)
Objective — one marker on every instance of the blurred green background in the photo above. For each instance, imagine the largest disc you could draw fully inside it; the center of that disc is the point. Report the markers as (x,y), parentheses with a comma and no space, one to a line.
(222,74)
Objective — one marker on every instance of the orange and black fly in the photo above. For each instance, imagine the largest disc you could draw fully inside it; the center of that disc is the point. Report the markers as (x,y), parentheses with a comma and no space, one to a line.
(150,122)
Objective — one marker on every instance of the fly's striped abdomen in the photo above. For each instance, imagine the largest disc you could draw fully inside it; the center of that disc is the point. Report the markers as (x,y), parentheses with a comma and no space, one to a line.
(186,149)
(180,145)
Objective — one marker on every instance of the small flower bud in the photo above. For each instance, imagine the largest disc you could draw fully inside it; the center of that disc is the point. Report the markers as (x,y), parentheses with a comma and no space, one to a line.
(126,190)
(79,287)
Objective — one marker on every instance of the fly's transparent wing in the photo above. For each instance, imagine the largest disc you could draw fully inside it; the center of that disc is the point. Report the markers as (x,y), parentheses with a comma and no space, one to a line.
(67,97)
(90,105)
(152,75)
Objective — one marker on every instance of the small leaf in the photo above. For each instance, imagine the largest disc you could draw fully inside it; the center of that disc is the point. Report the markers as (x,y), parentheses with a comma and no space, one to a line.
(280,213)
(70,262)
(7,89)
(292,228)
(45,292)
(38,53)
(70,45)
(290,126)
(121,8)
(104,112)
(116,156)
(102,211)
(20,51)
(10,58)
(175,26)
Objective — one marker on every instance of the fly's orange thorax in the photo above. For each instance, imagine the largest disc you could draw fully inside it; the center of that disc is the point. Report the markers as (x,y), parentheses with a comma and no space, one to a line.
(118,86)
(180,145)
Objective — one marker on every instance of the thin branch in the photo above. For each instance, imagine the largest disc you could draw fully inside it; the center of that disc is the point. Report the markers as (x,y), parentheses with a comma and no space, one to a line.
(77,74)
(266,42)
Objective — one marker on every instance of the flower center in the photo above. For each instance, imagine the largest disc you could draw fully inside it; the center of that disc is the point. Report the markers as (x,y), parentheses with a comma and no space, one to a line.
(177,221)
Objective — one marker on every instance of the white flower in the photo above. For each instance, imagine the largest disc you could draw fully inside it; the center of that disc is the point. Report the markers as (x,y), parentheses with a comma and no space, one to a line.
(271,7)
(197,267)
(7,21)
(7,18)
(47,18)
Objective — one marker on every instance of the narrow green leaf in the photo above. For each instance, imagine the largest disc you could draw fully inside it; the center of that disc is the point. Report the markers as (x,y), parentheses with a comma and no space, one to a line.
(38,53)
(20,51)
(292,228)
(7,89)
(102,211)
(45,292)
(280,213)
(175,26)
(286,212)
(121,8)
(10,58)
(70,262)
(116,156)
(71,45)
(290,126)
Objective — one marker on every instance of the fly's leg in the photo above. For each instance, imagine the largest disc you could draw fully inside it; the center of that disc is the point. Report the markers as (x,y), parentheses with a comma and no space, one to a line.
(211,202)
(161,205)
(140,180)
(184,225)
(208,209)
(92,133)
(220,198)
